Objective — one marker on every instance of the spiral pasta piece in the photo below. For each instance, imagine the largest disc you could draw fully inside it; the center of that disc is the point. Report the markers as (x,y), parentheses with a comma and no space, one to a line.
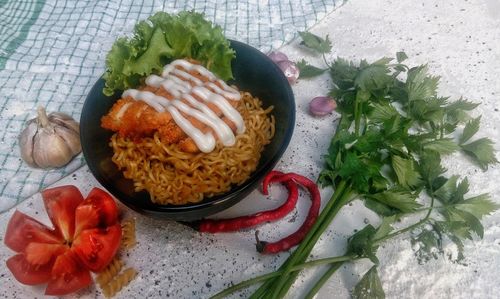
(128,233)
(109,272)
(119,282)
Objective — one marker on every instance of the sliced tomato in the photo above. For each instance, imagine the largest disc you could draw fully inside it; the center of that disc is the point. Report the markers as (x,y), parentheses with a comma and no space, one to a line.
(86,236)
(43,253)
(22,230)
(68,275)
(97,210)
(96,247)
(60,203)
(27,273)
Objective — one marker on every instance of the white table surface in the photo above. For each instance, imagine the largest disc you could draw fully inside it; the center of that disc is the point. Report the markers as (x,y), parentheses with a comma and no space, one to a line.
(460,40)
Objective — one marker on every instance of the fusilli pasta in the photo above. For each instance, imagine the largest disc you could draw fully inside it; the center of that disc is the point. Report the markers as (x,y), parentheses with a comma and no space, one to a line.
(119,282)
(109,272)
(128,233)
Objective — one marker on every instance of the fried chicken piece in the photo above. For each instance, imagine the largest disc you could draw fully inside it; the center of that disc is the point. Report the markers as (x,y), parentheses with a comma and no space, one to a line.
(137,119)
(134,118)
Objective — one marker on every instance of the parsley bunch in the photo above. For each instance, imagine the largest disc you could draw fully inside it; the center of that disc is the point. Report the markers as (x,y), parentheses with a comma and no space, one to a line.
(387,149)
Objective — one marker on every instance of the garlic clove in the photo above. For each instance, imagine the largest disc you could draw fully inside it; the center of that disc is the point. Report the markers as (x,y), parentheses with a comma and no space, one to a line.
(50,150)
(72,140)
(26,141)
(64,120)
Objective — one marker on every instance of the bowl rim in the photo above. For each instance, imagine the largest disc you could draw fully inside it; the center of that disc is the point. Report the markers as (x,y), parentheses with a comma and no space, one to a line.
(169,210)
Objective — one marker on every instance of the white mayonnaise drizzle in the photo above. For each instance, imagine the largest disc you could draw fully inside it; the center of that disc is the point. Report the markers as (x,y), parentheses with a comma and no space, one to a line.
(177,80)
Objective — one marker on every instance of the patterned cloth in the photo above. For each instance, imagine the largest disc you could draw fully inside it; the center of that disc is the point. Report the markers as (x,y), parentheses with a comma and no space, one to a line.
(52,52)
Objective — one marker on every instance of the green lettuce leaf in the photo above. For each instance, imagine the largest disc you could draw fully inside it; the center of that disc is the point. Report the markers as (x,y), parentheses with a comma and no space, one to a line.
(159,40)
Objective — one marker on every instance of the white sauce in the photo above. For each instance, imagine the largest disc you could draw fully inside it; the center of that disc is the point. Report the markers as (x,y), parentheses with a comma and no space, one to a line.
(182,86)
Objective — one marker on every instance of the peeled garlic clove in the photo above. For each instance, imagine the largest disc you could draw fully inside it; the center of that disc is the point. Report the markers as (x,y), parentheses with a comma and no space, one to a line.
(50,141)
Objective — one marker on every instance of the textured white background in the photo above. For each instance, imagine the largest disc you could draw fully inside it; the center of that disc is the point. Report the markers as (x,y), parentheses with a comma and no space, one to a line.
(460,42)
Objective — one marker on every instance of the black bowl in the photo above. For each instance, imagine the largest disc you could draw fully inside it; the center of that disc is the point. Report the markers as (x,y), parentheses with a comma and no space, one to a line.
(254,72)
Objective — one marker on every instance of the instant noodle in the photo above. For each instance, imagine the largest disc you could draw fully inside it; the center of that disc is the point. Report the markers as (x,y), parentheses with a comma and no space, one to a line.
(173,176)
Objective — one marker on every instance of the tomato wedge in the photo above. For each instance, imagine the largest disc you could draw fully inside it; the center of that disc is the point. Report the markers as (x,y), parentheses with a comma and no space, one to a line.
(68,275)
(61,203)
(86,237)
(27,273)
(97,210)
(43,253)
(22,230)
(96,247)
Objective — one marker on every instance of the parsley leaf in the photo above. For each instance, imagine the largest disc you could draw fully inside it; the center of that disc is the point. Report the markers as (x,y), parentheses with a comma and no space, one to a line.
(406,171)
(343,73)
(374,76)
(470,130)
(421,86)
(479,206)
(361,243)
(466,211)
(309,71)
(401,56)
(428,244)
(456,112)
(369,287)
(385,227)
(442,146)
(359,170)
(315,42)
(382,112)
(397,198)
(380,208)
(430,167)
(481,151)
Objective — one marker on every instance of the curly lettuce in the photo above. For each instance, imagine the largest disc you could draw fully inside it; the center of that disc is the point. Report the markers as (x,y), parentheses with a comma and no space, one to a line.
(159,40)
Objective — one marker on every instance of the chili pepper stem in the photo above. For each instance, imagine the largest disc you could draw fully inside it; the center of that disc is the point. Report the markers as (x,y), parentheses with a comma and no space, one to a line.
(259,244)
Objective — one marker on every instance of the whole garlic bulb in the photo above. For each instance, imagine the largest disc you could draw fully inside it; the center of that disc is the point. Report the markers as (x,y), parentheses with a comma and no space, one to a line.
(50,141)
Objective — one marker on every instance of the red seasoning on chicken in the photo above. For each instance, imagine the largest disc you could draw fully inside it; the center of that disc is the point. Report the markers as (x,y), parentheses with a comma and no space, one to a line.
(187,104)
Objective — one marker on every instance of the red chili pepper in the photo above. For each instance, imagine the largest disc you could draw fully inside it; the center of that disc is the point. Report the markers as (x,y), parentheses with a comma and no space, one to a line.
(271,177)
(238,223)
(295,238)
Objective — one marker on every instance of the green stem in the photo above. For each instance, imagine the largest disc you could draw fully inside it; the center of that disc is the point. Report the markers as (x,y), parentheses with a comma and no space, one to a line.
(409,228)
(259,293)
(326,62)
(357,118)
(319,284)
(285,282)
(247,283)
(297,255)
(441,129)
(333,268)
